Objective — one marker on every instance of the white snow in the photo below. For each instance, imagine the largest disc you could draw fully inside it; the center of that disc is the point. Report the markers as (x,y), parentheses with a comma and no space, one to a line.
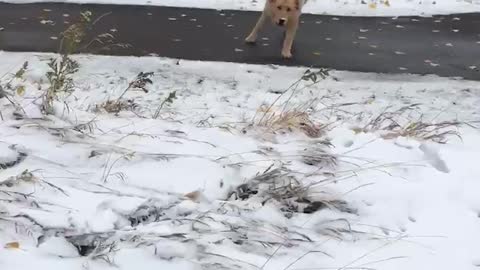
(331,7)
(122,179)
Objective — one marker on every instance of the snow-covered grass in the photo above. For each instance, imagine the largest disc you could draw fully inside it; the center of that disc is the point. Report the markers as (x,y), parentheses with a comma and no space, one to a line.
(332,7)
(229,174)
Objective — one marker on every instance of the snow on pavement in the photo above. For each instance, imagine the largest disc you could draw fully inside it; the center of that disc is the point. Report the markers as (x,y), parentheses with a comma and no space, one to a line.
(89,189)
(331,7)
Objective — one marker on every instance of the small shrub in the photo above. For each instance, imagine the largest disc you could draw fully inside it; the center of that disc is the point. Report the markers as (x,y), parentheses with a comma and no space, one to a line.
(140,82)
(168,100)
(12,86)
(115,106)
(75,34)
(61,69)
(60,80)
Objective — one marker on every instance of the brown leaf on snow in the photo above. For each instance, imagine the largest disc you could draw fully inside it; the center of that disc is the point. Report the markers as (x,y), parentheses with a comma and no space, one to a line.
(12,245)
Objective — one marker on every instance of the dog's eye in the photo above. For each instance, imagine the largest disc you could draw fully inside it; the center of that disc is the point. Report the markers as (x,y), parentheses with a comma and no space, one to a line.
(279,8)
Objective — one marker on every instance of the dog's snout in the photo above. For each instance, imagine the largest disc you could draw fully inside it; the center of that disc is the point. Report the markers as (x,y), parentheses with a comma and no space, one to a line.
(281,22)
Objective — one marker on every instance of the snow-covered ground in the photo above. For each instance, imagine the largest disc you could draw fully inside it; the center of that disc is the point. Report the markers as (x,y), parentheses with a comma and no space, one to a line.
(131,191)
(332,7)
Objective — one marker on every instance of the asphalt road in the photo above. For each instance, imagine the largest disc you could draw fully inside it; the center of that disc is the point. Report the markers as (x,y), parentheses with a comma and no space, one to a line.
(442,45)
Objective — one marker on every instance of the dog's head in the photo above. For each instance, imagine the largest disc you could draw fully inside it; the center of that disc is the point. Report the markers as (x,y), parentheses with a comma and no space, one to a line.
(283,10)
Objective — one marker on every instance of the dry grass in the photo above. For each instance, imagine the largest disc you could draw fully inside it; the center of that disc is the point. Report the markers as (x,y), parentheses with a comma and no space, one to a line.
(116,106)
(25,177)
(21,155)
(290,121)
(437,132)
(316,154)
(77,37)
(397,123)
(281,187)
(287,117)
(140,82)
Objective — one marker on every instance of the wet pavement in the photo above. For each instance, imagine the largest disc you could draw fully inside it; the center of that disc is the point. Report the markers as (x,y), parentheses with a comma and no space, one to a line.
(442,45)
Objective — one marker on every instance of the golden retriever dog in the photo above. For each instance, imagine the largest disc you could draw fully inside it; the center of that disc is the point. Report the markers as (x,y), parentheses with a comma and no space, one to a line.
(284,13)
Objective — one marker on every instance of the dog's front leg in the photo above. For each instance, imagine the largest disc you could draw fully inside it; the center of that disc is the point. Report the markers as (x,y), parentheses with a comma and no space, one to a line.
(253,35)
(291,30)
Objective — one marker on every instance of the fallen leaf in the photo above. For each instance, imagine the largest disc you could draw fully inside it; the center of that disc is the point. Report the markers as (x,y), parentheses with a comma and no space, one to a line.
(21,90)
(357,130)
(12,245)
